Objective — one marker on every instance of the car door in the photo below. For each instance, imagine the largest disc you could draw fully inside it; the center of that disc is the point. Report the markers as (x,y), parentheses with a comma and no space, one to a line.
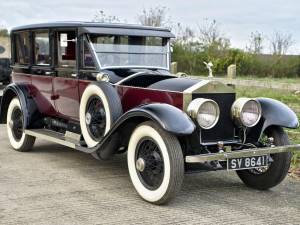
(42,72)
(65,84)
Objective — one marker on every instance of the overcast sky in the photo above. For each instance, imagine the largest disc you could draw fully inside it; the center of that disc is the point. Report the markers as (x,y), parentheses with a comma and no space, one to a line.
(237,18)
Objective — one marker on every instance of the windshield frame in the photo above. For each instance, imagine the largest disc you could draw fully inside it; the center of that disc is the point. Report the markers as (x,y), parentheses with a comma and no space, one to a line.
(97,60)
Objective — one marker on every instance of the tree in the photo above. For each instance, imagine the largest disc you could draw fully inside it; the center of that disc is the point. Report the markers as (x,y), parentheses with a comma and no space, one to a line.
(256,42)
(155,17)
(101,17)
(4,32)
(183,33)
(281,43)
(210,35)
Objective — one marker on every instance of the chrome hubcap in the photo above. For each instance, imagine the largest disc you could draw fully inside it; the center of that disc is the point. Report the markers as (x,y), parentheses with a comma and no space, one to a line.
(140,165)
(11,124)
(88,118)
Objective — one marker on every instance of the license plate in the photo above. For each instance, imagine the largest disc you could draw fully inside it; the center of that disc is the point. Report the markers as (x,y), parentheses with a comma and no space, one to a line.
(247,162)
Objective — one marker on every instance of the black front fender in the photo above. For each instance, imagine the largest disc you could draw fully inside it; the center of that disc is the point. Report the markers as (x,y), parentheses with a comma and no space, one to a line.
(274,113)
(167,116)
(170,118)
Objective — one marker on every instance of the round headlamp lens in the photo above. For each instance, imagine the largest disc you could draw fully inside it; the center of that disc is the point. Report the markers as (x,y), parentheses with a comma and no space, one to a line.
(246,112)
(205,111)
(250,113)
(208,114)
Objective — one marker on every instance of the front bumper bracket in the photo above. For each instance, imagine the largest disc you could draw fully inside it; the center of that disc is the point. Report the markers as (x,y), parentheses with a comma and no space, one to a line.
(203,158)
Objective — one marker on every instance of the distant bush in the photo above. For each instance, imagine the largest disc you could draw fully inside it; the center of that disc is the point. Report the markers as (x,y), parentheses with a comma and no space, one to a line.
(190,57)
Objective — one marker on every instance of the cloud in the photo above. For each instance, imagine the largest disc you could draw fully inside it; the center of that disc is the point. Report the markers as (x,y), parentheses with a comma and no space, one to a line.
(237,18)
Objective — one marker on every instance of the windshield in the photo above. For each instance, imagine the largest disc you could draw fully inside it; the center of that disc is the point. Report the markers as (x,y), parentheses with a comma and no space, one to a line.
(130,51)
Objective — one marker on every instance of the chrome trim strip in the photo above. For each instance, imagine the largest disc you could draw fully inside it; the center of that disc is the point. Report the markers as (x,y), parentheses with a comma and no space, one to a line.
(239,154)
(128,78)
(196,86)
(150,89)
(205,86)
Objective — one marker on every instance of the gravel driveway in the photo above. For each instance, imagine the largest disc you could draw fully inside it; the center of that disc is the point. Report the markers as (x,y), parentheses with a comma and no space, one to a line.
(57,185)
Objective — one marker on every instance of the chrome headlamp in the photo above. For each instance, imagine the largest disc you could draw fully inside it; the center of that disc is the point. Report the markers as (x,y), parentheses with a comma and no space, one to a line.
(205,111)
(246,112)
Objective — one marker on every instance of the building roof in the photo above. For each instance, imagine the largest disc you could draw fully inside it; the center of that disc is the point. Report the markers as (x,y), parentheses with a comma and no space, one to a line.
(103,28)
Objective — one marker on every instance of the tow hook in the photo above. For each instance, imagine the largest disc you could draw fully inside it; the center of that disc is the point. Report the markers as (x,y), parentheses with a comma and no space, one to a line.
(271,142)
(220,145)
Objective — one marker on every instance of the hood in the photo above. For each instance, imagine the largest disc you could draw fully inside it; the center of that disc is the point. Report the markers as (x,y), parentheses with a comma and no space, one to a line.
(187,85)
(174,84)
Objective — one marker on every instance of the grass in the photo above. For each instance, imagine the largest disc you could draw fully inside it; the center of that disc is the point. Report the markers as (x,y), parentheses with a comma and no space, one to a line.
(289,98)
(281,80)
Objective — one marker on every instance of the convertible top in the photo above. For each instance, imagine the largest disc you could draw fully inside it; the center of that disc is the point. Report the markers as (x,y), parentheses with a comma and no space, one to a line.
(103,28)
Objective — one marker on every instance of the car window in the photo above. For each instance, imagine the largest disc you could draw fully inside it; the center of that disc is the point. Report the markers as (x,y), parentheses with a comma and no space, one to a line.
(22,48)
(88,61)
(66,49)
(115,51)
(41,48)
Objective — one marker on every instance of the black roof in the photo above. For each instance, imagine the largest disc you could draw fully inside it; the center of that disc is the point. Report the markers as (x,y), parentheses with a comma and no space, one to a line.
(103,28)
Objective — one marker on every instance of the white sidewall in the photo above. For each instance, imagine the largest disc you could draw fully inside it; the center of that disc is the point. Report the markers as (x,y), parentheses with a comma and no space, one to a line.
(14,143)
(90,91)
(138,134)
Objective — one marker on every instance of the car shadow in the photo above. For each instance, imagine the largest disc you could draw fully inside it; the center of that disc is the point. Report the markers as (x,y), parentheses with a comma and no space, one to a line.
(196,184)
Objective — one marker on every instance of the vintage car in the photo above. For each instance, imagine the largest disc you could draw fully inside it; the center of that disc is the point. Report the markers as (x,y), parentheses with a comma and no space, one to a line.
(106,89)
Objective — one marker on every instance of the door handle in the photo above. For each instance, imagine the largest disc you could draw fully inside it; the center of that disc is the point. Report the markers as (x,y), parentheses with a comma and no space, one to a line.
(54,97)
(49,73)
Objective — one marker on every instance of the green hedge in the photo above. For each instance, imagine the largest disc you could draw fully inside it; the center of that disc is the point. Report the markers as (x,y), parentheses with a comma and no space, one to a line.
(190,60)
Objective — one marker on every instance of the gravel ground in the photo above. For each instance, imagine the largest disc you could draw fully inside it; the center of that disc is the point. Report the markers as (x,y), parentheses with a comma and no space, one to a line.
(56,185)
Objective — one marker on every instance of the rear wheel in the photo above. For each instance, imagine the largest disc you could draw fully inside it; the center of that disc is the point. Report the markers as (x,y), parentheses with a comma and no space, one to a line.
(15,128)
(274,174)
(155,163)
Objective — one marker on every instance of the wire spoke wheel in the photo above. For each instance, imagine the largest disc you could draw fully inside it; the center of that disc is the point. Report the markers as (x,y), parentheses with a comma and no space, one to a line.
(155,163)
(267,177)
(95,118)
(16,123)
(264,141)
(149,163)
(15,127)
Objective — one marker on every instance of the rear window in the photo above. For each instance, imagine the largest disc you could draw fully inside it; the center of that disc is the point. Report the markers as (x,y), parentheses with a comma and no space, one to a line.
(22,47)
(41,48)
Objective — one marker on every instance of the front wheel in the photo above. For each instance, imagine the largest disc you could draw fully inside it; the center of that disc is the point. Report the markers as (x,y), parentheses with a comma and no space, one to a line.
(265,178)
(155,163)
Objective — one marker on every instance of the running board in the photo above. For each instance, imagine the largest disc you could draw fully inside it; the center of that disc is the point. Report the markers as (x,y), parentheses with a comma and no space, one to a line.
(55,137)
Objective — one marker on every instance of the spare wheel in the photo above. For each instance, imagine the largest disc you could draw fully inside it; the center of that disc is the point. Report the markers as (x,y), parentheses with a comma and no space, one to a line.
(100,107)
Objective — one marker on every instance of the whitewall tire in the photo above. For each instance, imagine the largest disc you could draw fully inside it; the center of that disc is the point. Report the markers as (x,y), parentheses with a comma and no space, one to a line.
(15,131)
(155,163)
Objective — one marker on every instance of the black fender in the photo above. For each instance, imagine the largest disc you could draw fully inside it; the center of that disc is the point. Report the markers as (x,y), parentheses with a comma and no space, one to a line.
(170,118)
(167,116)
(274,113)
(29,108)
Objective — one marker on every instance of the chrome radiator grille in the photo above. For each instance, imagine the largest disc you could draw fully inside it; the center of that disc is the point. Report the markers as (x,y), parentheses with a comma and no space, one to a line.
(224,129)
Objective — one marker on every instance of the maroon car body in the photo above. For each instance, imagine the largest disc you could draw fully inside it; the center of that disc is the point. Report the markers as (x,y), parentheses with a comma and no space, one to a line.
(106,89)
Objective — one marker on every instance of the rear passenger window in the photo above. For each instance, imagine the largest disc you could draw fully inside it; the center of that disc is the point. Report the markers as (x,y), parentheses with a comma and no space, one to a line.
(41,48)
(66,49)
(22,48)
